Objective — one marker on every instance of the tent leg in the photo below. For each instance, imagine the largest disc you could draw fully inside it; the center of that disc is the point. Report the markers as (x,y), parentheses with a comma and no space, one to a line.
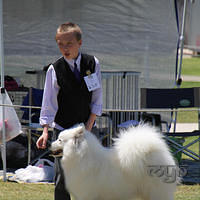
(182,43)
(2,91)
(3,145)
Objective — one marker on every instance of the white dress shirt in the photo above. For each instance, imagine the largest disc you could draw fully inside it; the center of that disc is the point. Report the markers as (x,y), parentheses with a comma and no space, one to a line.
(51,89)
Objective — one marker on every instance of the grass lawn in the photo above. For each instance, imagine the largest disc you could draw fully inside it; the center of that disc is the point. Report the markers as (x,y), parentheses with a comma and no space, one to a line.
(187,117)
(15,191)
(191,66)
(194,147)
(188,84)
(188,192)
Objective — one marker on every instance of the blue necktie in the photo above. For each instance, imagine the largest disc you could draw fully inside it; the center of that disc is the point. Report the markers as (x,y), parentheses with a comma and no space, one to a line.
(76,72)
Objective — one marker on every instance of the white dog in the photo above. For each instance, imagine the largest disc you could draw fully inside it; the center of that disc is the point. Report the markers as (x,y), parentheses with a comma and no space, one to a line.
(139,165)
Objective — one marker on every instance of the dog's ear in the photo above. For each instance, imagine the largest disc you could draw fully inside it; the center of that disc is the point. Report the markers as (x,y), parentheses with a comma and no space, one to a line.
(80,129)
(78,137)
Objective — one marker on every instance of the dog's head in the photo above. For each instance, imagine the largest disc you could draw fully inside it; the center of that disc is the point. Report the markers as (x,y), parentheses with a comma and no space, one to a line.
(69,138)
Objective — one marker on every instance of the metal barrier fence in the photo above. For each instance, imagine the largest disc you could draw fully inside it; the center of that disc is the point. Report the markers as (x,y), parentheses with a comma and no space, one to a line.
(120,88)
(17,97)
(112,120)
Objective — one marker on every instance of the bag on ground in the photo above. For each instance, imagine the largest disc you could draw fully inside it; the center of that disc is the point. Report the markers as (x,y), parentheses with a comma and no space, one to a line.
(42,171)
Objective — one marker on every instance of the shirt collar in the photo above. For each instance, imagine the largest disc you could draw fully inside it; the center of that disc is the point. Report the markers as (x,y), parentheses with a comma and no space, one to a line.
(71,61)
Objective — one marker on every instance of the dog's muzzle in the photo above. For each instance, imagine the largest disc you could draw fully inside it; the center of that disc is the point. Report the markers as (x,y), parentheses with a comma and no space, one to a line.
(57,153)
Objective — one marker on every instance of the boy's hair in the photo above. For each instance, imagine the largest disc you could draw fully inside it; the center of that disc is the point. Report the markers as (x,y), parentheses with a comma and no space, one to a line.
(70,27)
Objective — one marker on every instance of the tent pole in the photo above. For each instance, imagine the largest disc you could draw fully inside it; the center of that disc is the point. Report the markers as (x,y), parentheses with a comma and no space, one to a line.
(3,146)
(182,37)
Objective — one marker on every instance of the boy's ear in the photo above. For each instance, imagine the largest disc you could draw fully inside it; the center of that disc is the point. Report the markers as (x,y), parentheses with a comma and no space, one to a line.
(80,42)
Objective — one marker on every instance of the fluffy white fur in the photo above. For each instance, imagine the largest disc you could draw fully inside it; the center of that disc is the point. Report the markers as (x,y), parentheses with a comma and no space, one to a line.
(93,172)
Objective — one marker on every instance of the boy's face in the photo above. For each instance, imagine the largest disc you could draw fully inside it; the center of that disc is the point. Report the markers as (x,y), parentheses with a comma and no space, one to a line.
(68,44)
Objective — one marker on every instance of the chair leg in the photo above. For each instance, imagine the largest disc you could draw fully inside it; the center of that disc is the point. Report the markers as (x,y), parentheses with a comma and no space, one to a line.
(184,149)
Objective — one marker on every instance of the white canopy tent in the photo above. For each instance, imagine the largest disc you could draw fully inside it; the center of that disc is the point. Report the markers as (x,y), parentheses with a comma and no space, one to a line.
(136,35)
(128,35)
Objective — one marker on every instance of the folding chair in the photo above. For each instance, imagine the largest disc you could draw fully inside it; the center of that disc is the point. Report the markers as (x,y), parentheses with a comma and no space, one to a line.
(31,119)
(172,99)
(33,98)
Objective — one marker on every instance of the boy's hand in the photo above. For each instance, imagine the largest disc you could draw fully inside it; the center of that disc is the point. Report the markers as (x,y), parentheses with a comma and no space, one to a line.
(42,140)
(90,122)
(88,126)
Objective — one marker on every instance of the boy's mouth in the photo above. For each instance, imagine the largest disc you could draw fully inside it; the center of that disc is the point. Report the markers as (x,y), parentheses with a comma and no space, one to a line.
(67,54)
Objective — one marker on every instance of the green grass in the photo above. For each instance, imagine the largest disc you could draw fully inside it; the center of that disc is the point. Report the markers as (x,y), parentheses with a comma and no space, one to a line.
(191,66)
(16,191)
(187,117)
(188,192)
(187,84)
(194,147)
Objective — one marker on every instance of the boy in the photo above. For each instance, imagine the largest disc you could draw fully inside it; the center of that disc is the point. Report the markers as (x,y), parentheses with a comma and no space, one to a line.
(69,97)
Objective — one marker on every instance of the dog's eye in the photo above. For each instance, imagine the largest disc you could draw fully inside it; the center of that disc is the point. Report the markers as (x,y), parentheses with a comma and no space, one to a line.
(59,140)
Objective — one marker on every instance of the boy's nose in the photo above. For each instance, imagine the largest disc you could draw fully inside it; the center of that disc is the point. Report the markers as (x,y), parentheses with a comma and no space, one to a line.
(66,47)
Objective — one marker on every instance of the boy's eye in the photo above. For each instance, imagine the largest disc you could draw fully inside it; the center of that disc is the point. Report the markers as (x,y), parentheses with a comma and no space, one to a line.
(64,46)
(70,44)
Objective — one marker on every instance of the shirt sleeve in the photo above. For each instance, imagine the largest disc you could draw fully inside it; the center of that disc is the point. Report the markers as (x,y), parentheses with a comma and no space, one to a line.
(49,101)
(97,102)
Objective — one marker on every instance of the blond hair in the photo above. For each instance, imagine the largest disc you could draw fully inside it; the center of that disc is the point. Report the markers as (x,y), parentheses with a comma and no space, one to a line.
(70,27)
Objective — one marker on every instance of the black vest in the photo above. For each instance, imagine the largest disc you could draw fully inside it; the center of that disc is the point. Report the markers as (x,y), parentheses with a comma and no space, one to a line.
(73,97)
